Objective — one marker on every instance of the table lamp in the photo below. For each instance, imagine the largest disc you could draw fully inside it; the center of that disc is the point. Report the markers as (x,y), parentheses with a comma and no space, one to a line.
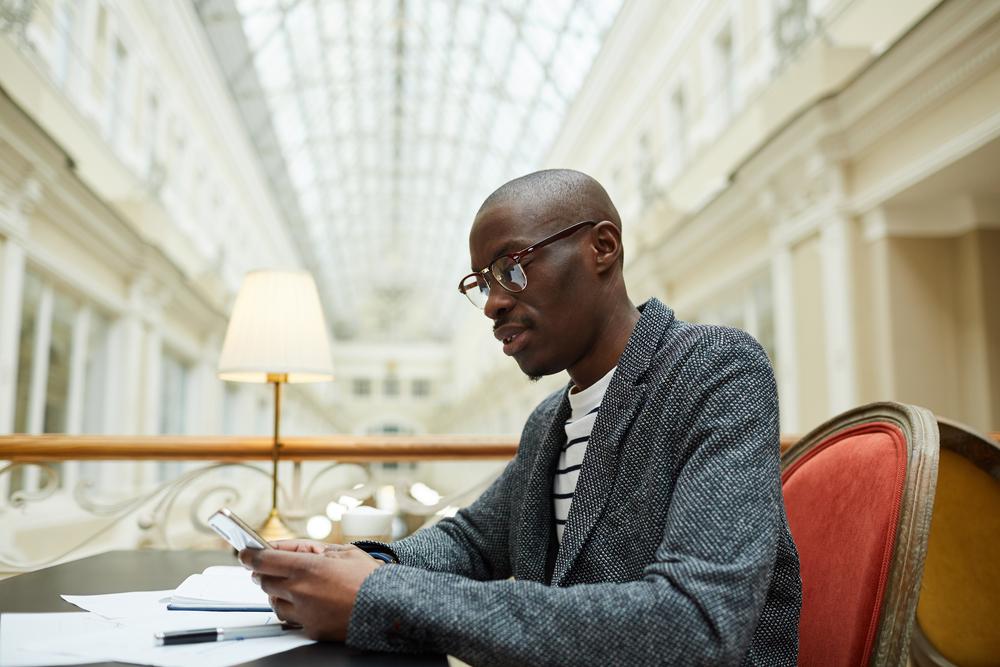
(276,334)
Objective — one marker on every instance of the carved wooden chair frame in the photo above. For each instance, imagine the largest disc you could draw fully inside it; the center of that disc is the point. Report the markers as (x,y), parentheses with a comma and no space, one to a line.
(899,602)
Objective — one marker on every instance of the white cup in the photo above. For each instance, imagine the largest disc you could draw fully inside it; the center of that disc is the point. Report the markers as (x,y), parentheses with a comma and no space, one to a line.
(366,523)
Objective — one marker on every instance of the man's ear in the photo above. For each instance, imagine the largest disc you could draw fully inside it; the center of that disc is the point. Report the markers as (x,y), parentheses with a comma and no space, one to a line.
(606,242)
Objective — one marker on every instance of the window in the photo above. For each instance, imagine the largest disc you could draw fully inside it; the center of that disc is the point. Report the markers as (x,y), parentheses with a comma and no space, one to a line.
(57,385)
(644,169)
(390,386)
(230,409)
(361,387)
(65,27)
(792,26)
(150,140)
(30,302)
(43,370)
(55,328)
(677,132)
(173,394)
(117,93)
(173,406)
(99,56)
(96,369)
(724,97)
(421,387)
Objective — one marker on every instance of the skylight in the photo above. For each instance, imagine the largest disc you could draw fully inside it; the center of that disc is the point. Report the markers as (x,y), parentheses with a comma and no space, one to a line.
(390,121)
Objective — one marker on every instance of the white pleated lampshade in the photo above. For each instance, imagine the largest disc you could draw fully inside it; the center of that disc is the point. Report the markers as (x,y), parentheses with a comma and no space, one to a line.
(276,328)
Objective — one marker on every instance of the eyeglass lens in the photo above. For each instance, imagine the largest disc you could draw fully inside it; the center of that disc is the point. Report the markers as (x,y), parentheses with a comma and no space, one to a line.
(510,274)
(507,272)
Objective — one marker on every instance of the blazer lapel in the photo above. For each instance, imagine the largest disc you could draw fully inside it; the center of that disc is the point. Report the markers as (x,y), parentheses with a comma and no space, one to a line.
(599,471)
(623,398)
(537,513)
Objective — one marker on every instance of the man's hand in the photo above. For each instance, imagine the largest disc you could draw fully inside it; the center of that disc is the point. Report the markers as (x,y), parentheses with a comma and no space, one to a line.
(306,546)
(311,583)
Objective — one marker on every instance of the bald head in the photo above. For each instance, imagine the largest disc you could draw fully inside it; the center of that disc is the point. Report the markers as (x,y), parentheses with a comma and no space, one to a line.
(546,253)
(564,195)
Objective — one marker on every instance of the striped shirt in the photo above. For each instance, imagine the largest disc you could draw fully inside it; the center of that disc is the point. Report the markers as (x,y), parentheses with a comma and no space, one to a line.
(584,405)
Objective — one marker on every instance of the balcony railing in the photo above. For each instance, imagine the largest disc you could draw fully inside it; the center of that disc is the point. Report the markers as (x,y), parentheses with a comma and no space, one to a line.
(61,514)
(50,511)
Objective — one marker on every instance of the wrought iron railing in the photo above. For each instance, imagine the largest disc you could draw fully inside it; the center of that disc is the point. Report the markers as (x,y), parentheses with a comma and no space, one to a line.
(62,516)
(114,511)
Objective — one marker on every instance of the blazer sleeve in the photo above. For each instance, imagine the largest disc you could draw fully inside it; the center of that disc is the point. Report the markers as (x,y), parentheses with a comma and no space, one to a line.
(475,542)
(698,602)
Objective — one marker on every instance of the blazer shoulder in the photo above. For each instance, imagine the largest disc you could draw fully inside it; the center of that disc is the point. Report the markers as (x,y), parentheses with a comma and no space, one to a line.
(682,341)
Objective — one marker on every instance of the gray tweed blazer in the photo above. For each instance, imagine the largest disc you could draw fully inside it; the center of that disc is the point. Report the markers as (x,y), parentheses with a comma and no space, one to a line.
(676,549)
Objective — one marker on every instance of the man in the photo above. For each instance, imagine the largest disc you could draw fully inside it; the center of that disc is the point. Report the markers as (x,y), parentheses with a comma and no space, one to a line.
(641,521)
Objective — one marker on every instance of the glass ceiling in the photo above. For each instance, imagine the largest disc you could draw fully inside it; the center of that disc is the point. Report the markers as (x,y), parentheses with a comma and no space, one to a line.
(383,124)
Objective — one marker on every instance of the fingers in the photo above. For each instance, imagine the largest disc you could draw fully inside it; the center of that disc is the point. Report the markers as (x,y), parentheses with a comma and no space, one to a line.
(275,587)
(330,548)
(285,611)
(275,562)
(305,546)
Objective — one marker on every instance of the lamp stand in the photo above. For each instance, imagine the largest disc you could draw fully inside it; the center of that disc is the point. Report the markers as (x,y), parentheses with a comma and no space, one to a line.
(274,528)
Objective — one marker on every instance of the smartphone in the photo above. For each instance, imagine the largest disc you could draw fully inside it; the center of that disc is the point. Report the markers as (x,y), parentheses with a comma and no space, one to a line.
(235,531)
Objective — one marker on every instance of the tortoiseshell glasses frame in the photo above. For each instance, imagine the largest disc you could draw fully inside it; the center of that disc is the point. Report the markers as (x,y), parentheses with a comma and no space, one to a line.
(507,270)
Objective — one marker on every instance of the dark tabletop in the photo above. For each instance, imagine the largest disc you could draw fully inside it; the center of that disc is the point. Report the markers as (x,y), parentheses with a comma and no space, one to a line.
(121,571)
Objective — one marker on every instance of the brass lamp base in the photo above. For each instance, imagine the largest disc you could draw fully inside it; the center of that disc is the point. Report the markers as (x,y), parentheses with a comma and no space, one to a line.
(275,529)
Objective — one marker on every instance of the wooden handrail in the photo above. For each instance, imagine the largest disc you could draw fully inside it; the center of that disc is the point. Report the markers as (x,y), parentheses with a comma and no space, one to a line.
(348,448)
(351,448)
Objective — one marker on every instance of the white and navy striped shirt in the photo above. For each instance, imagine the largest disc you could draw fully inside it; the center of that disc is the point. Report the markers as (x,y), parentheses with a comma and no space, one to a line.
(584,405)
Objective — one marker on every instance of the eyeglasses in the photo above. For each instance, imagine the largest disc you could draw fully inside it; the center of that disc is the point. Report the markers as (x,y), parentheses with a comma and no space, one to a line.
(507,269)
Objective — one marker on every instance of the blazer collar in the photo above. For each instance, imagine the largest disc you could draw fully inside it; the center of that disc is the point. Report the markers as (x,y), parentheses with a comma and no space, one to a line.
(624,396)
(537,518)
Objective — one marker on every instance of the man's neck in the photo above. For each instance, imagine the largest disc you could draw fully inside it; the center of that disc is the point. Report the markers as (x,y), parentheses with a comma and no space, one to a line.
(610,342)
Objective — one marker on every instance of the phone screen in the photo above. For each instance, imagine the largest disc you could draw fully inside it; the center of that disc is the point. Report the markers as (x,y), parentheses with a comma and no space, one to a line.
(235,531)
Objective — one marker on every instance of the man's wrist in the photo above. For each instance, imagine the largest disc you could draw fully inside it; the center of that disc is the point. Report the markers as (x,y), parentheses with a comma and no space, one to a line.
(378,550)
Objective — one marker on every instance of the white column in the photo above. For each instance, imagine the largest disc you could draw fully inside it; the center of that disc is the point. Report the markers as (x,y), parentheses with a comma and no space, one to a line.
(11,291)
(837,274)
(782,280)
(124,398)
(77,381)
(39,377)
(152,379)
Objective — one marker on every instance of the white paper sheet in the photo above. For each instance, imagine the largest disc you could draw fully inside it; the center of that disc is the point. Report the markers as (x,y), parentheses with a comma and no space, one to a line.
(26,639)
(145,606)
(222,584)
(73,638)
(121,605)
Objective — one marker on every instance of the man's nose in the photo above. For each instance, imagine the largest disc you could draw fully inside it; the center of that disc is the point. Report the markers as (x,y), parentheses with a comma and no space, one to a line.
(498,302)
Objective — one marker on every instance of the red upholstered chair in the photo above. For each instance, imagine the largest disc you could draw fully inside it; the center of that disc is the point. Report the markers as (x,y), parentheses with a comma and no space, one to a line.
(859,492)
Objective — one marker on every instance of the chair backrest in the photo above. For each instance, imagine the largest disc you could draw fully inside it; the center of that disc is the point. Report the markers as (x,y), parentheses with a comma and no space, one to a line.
(958,615)
(858,492)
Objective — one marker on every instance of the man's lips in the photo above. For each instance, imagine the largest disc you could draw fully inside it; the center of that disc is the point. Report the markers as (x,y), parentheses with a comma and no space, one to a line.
(512,336)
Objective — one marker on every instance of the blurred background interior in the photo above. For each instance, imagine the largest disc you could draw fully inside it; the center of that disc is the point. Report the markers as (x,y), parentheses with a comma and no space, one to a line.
(824,174)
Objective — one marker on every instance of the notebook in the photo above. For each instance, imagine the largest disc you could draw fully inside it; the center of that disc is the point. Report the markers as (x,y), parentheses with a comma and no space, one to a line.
(219,588)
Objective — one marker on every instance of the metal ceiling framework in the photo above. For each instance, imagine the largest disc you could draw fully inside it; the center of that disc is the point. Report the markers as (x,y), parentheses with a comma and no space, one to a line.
(383,124)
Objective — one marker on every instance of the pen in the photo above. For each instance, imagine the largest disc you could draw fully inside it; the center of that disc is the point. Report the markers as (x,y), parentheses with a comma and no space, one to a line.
(222,634)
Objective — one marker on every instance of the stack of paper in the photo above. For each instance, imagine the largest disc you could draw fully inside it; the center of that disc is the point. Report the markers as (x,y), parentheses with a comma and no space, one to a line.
(220,588)
(120,626)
